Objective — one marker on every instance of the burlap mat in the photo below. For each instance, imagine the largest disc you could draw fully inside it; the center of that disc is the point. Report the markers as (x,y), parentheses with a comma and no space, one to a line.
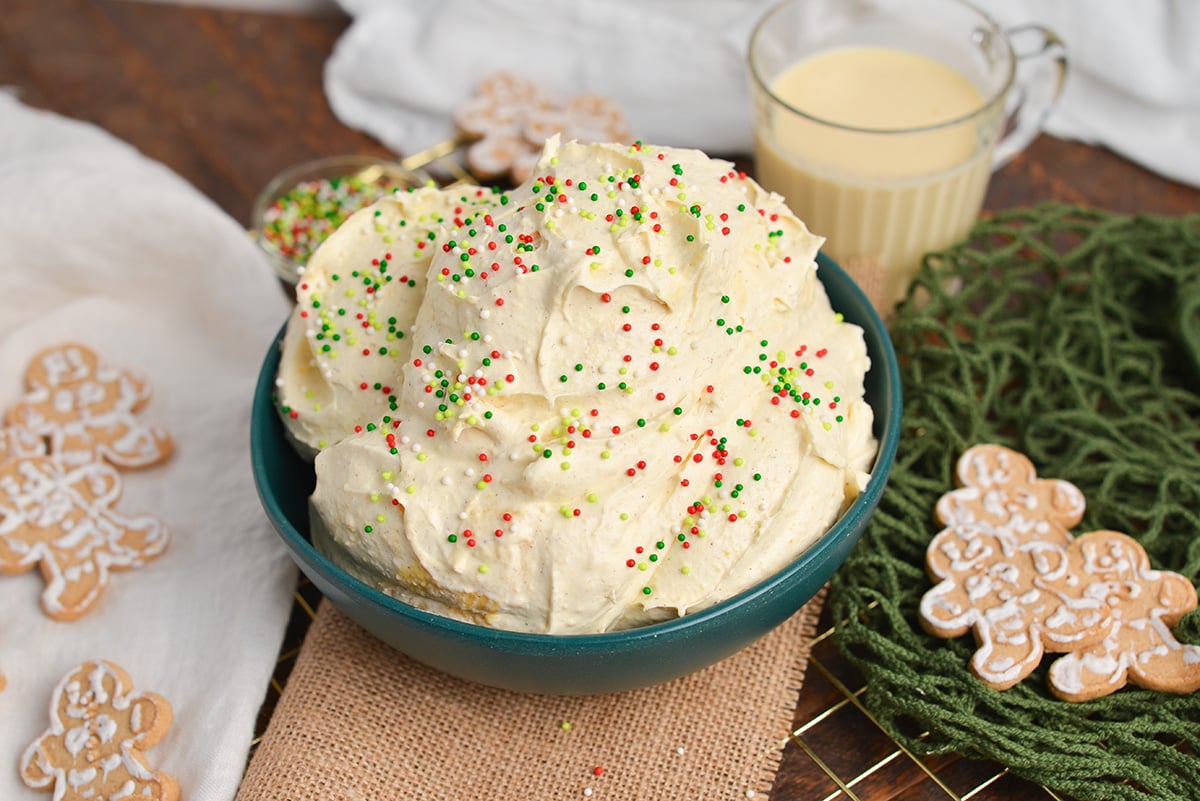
(360,722)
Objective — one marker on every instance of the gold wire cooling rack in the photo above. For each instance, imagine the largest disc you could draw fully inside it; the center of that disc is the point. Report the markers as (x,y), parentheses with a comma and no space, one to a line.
(845,753)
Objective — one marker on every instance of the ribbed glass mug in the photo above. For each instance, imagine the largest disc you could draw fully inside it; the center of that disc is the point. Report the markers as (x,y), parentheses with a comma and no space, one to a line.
(853,154)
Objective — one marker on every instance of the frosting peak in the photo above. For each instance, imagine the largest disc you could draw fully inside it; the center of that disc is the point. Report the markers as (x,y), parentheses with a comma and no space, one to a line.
(615,394)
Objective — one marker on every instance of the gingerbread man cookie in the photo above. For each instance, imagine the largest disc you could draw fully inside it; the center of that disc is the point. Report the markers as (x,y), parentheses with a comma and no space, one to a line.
(1144,603)
(61,518)
(510,120)
(1009,571)
(1012,594)
(494,118)
(87,410)
(99,727)
(999,487)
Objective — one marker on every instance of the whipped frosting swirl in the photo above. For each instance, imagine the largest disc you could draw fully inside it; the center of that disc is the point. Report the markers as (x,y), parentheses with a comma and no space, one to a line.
(621,394)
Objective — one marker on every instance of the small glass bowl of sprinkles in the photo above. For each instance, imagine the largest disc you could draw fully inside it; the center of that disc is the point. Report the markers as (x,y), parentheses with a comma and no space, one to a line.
(306,202)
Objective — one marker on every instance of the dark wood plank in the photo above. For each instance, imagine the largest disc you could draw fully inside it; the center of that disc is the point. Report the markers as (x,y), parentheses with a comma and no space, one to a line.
(1055,169)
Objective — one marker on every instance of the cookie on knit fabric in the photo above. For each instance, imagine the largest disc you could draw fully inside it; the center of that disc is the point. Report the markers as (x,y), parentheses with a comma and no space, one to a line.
(87,410)
(1000,487)
(99,727)
(1144,603)
(1008,570)
(1012,593)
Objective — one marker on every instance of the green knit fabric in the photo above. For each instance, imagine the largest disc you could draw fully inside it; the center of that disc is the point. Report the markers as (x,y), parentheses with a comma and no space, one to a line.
(1072,335)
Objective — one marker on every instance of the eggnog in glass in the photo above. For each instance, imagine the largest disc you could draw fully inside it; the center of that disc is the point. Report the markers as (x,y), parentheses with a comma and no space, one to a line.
(881,122)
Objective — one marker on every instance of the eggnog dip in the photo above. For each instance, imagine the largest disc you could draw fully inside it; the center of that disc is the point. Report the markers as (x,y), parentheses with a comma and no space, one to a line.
(878,149)
(621,394)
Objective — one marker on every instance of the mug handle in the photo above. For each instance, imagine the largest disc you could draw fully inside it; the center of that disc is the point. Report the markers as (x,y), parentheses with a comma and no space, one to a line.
(1040,73)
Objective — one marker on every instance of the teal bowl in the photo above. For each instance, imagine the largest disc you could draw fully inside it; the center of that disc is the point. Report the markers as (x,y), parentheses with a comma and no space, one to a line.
(582,663)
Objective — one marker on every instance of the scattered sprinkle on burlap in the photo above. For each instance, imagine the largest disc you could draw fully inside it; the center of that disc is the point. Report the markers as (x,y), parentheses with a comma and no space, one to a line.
(1072,335)
(358,721)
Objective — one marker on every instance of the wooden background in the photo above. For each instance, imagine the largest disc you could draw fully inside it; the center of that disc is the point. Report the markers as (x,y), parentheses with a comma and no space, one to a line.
(227,99)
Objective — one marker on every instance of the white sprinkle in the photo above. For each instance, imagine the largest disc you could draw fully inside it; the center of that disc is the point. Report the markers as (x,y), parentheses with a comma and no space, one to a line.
(420,404)
(679,750)
(469,472)
(508,354)
(462,515)
(445,481)
(750,794)
(487,337)
(566,339)
(484,314)
(587,791)
(405,439)
(416,448)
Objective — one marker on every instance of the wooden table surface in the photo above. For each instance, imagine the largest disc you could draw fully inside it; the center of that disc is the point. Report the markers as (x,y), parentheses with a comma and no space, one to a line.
(227,99)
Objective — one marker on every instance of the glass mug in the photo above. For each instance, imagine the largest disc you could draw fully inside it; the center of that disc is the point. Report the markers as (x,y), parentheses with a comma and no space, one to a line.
(881,121)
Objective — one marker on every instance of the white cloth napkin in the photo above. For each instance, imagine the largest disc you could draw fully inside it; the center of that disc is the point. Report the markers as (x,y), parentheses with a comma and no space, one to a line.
(101,246)
(677,68)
